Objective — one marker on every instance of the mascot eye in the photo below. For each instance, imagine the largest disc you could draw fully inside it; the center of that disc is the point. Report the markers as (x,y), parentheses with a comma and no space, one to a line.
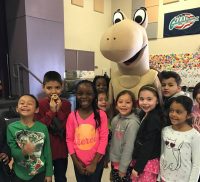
(140,15)
(117,17)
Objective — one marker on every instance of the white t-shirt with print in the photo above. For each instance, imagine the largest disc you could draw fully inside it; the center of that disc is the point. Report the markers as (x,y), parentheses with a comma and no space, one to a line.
(180,155)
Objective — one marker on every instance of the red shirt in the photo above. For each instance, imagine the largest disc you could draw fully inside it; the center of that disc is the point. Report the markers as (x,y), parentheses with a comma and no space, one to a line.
(45,115)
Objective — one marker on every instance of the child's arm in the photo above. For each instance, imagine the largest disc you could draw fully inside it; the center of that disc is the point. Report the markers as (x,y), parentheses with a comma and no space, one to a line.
(48,179)
(129,138)
(64,111)
(28,149)
(151,135)
(194,175)
(103,141)
(48,156)
(16,151)
(4,150)
(134,173)
(4,157)
(46,115)
(79,165)
(90,169)
(103,133)
(70,132)
(55,103)
(162,150)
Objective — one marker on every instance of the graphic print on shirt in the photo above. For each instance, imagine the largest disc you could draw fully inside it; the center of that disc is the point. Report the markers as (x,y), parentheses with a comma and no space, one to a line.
(172,160)
(86,136)
(32,162)
(119,133)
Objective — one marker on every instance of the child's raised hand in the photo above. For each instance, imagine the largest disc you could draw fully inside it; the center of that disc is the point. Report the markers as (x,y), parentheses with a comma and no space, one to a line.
(55,103)
(28,148)
(59,103)
(4,158)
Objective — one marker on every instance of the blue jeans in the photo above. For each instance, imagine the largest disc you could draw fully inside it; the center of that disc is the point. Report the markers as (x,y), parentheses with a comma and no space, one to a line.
(95,177)
(60,169)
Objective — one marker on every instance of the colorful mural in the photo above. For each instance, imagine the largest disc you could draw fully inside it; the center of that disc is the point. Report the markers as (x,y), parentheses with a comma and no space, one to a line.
(186,65)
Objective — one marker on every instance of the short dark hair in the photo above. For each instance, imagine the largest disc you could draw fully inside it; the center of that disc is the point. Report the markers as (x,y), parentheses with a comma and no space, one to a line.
(30,95)
(196,90)
(52,76)
(171,74)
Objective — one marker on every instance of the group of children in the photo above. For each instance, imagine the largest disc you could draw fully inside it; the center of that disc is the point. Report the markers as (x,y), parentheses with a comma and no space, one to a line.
(158,143)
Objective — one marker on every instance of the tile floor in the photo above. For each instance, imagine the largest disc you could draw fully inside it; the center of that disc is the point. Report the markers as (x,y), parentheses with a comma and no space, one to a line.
(71,175)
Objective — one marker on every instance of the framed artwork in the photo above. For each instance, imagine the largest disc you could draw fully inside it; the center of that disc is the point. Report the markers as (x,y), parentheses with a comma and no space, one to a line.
(187,65)
(149,3)
(77,2)
(152,14)
(169,1)
(99,6)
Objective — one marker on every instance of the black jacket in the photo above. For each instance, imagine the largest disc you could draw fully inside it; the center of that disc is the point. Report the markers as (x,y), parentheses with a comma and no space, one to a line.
(3,149)
(148,140)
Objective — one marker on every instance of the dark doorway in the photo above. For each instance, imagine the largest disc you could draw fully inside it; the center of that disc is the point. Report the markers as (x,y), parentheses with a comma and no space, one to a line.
(4,56)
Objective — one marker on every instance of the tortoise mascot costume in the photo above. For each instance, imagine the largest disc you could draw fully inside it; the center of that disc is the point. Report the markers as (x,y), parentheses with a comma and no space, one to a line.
(126,43)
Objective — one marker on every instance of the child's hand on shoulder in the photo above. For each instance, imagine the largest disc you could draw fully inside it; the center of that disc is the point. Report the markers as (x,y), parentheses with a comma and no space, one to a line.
(4,157)
(28,148)
(55,103)
(48,179)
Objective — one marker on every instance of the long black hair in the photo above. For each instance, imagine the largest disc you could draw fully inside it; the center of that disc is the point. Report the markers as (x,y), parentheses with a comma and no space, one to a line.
(94,104)
(187,103)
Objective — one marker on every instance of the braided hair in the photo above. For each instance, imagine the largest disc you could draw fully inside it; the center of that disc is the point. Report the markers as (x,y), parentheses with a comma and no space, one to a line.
(94,104)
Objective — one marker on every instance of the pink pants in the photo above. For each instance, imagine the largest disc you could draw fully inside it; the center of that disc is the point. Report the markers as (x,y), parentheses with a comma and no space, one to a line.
(150,172)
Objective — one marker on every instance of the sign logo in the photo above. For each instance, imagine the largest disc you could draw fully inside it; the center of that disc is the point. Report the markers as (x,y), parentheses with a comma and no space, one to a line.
(183,21)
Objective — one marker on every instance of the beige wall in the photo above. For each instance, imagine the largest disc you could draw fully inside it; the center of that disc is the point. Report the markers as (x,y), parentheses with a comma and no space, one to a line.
(84,28)
(181,44)
(124,5)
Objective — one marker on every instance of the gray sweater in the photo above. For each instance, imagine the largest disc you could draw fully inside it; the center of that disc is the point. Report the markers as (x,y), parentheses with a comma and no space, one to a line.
(124,130)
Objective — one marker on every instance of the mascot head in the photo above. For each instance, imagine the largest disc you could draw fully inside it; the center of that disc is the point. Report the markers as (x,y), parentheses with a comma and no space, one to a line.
(126,43)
